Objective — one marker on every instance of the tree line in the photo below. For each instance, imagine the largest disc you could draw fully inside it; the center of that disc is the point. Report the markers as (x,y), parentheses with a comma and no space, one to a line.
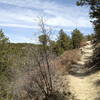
(64,41)
(11,55)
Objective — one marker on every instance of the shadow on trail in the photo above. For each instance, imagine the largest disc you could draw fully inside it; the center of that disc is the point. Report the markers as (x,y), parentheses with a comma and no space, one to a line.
(84,74)
(97,83)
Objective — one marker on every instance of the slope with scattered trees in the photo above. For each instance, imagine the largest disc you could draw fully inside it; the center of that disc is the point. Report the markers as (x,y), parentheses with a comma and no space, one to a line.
(28,71)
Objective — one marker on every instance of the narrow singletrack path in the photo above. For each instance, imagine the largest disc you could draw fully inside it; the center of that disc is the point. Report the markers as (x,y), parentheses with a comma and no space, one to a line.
(87,87)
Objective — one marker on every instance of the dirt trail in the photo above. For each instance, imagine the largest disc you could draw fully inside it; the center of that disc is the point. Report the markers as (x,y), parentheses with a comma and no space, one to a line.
(88,87)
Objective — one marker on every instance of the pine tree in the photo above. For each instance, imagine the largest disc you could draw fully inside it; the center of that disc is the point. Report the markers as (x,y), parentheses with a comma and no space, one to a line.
(3,50)
(63,40)
(77,37)
(43,39)
(3,65)
(95,15)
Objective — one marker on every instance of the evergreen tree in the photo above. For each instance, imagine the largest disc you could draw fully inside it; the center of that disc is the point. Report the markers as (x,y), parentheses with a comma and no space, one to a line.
(3,65)
(3,51)
(43,39)
(63,40)
(90,37)
(3,39)
(94,13)
(54,47)
(77,37)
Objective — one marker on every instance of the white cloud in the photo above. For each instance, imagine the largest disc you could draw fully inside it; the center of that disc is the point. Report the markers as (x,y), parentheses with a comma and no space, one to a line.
(23,14)
(57,15)
(40,4)
(19,26)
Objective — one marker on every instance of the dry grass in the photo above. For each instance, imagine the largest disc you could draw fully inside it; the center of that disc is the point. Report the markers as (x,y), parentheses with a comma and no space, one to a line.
(64,62)
(26,89)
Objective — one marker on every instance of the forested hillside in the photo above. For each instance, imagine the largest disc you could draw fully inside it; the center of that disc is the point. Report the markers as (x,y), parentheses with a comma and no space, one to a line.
(63,68)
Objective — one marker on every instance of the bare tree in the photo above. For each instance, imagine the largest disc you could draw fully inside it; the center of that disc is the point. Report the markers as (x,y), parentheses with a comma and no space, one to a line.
(43,59)
(35,80)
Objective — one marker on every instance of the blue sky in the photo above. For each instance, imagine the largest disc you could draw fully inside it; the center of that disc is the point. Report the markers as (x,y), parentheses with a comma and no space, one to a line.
(18,18)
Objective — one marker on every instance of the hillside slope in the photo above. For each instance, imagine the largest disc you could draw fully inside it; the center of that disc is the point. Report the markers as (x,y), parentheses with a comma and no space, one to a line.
(86,87)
